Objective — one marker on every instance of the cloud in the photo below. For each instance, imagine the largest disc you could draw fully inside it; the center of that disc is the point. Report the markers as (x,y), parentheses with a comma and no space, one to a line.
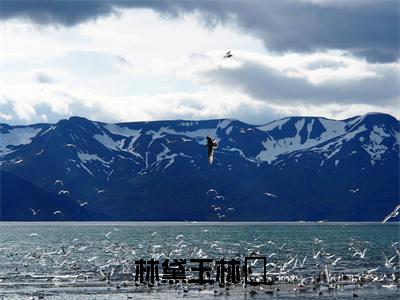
(49,103)
(309,80)
(368,28)
(124,64)
(60,12)
(54,102)
(135,65)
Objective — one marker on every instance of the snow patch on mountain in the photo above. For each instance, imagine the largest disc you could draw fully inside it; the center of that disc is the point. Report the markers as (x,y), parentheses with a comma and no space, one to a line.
(330,149)
(123,131)
(86,157)
(108,142)
(85,168)
(199,135)
(225,123)
(276,147)
(273,125)
(240,153)
(229,130)
(164,156)
(333,130)
(16,137)
(375,148)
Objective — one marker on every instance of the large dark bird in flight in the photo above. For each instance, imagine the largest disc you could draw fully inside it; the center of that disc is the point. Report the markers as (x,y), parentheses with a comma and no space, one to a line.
(211,145)
(228,54)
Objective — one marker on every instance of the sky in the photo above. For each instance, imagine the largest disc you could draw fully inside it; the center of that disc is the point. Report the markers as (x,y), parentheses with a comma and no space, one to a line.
(122,61)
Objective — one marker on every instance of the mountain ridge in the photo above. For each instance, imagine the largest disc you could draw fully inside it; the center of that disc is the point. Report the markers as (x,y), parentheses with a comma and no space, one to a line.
(143,165)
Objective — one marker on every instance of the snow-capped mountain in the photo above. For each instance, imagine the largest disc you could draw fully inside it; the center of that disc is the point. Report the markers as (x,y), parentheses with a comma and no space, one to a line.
(297,168)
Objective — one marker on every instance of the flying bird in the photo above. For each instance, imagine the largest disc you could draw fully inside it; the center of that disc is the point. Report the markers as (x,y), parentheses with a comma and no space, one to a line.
(34,212)
(393,214)
(83,203)
(63,192)
(212,191)
(211,145)
(58,212)
(59,181)
(270,195)
(110,232)
(228,54)
(168,141)
(107,275)
(360,253)
(354,191)
(315,255)
(99,191)
(336,261)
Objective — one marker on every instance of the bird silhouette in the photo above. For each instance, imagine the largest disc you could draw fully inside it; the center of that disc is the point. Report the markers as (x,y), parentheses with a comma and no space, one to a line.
(228,54)
(211,145)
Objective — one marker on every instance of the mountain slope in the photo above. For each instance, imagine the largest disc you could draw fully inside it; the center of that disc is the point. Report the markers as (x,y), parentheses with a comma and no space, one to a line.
(159,171)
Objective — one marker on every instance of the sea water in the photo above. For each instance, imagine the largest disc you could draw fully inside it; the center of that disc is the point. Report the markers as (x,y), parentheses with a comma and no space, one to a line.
(68,260)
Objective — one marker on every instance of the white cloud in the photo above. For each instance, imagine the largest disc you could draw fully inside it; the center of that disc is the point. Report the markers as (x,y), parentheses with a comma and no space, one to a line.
(138,66)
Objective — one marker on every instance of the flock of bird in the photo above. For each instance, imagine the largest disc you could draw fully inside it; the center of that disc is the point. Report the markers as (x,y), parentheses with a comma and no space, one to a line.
(63,192)
(217,209)
(108,260)
(220,209)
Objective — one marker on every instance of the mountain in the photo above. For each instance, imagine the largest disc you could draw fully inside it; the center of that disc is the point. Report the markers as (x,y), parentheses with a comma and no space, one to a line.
(313,169)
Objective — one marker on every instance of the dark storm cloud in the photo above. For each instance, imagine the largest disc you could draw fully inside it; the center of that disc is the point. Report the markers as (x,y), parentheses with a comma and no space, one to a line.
(367,28)
(272,86)
(56,12)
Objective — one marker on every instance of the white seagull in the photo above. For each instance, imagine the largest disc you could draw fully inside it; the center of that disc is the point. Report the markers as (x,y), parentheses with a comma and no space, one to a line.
(34,212)
(361,254)
(336,260)
(109,233)
(212,191)
(59,181)
(83,203)
(393,214)
(270,195)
